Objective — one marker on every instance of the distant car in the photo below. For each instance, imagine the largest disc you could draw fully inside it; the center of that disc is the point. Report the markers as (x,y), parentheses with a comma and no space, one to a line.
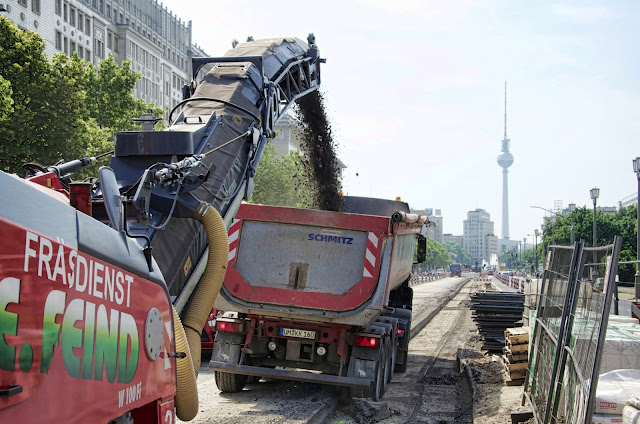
(490,272)
(439,271)
(455,269)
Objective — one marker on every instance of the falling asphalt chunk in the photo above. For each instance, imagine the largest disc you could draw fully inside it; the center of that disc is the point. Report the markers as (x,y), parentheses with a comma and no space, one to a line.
(321,160)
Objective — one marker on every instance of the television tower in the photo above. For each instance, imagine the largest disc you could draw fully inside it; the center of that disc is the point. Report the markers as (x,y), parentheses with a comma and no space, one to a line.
(505,160)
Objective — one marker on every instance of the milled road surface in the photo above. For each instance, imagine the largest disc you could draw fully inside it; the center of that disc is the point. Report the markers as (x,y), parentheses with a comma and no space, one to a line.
(284,402)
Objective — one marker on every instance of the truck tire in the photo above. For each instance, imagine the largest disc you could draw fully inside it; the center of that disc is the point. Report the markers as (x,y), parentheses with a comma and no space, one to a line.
(386,361)
(230,383)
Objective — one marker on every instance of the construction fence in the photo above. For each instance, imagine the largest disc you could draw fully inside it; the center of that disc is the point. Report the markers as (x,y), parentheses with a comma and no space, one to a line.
(570,325)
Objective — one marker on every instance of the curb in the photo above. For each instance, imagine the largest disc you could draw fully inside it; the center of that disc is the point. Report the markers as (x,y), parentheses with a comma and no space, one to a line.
(464,366)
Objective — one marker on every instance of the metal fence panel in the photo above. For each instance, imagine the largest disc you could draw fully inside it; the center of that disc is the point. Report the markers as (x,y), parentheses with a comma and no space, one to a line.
(570,327)
(584,344)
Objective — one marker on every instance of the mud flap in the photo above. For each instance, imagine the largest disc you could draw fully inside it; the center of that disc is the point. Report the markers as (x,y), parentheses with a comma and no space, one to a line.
(362,368)
(227,347)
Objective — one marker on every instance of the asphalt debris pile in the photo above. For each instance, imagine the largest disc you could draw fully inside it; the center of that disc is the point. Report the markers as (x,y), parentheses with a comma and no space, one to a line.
(319,147)
(494,312)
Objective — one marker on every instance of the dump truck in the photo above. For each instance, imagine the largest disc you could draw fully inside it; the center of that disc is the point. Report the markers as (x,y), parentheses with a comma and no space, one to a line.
(318,296)
(105,285)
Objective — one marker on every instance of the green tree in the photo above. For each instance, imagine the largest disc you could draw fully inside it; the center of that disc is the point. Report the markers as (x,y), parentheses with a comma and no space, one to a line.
(437,255)
(6,99)
(622,223)
(457,253)
(61,109)
(282,181)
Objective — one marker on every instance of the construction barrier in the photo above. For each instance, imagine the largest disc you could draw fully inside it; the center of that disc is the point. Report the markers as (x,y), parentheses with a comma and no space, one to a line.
(418,279)
(481,278)
(517,283)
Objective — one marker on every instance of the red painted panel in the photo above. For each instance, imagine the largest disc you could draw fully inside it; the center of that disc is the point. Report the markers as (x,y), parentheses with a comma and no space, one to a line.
(378,224)
(52,324)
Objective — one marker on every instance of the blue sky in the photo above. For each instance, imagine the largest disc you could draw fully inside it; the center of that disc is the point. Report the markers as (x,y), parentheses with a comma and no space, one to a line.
(414,90)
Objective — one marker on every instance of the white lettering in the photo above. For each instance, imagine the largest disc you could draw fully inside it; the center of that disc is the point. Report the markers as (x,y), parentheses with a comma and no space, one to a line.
(97,279)
(60,267)
(45,258)
(72,255)
(120,293)
(129,280)
(28,251)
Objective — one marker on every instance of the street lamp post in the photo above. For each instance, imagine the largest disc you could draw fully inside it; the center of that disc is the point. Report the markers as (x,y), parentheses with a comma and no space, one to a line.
(536,233)
(543,227)
(524,253)
(572,209)
(595,192)
(636,169)
(553,229)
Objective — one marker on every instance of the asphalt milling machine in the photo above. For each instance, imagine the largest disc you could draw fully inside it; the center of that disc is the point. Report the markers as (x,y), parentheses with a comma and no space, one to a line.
(102,323)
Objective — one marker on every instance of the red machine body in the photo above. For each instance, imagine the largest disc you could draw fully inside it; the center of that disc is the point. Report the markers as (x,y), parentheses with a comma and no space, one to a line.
(76,341)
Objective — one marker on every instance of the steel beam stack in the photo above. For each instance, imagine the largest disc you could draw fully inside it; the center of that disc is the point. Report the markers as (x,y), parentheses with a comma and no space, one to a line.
(494,312)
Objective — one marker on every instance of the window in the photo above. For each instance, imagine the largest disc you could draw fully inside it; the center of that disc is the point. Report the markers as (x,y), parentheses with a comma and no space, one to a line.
(66,45)
(115,43)
(65,9)
(22,3)
(87,55)
(58,7)
(72,16)
(81,52)
(58,40)
(108,11)
(87,26)
(99,46)
(80,21)
(73,47)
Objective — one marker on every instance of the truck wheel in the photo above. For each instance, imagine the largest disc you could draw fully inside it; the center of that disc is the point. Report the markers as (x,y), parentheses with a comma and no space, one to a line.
(230,383)
(386,361)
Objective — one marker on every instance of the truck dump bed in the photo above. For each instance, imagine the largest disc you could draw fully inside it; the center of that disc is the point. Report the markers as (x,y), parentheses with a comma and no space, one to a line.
(317,265)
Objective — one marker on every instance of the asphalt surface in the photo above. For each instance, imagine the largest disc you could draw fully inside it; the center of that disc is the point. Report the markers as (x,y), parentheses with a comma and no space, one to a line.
(284,402)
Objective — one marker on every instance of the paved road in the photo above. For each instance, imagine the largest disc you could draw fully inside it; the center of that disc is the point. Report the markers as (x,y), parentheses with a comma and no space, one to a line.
(285,402)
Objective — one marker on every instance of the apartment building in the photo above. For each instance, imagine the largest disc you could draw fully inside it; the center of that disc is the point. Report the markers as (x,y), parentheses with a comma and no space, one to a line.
(157,42)
(478,238)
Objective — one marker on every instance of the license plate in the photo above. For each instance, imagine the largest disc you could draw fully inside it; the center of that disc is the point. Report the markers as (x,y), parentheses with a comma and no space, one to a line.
(296,332)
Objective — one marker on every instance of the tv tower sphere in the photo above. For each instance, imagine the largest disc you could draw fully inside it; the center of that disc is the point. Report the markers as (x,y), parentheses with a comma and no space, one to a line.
(505,159)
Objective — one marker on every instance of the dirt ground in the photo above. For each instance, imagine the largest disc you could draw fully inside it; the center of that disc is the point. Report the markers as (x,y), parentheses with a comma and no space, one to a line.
(437,387)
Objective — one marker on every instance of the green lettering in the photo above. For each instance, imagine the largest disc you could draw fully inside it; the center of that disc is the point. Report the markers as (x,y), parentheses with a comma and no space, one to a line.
(53,307)
(9,293)
(128,334)
(106,344)
(89,331)
(72,337)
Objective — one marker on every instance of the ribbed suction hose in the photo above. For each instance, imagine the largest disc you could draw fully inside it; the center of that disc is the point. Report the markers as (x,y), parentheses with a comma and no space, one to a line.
(202,301)
(186,400)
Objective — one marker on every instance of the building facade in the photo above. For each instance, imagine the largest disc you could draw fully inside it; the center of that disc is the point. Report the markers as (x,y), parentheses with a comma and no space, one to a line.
(433,231)
(158,43)
(478,238)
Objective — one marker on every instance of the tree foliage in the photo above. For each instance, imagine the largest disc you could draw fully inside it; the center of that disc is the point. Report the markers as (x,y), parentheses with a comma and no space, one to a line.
(282,181)
(457,253)
(59,109)
(623,223)
(437,255)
